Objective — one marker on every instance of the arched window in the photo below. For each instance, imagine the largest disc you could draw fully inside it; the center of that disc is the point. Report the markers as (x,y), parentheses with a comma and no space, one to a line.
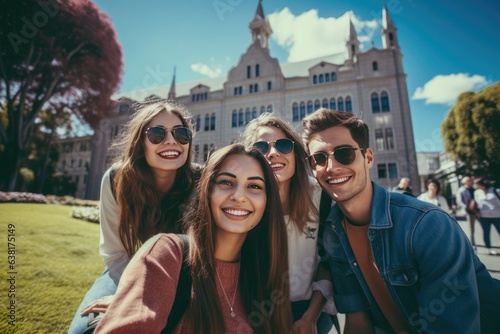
(262,110)
(317,105)
(234,122)
(348,104)
(315,79)
(254,112)
(340,103)
(295,111)
(333,105)
(212,122)
(384,99)
(375,103)
(325,103)
(257,70)
(334,76)
(270,108)
(321,78)
(247,116)
(302,110)
(309,107)
(207,122)
(375,66)
(241,121)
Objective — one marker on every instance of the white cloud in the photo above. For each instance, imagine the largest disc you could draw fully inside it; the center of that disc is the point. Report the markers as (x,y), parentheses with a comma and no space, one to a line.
(309,36)
(214,72)
(445,89)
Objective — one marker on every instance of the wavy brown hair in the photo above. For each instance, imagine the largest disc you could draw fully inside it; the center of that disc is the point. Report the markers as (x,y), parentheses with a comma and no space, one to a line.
(144,210)
(262,269)
(302,206)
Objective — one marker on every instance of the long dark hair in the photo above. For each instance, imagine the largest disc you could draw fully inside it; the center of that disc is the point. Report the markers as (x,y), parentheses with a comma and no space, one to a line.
(262,268)
(143,210)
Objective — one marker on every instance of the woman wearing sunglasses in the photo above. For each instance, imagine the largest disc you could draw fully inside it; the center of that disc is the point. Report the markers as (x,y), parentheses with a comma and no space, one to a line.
(299,194)
(237,238)
(142,194)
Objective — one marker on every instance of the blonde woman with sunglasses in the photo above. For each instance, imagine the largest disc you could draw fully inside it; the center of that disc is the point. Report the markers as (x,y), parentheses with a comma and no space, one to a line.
(142,194)
(300,195)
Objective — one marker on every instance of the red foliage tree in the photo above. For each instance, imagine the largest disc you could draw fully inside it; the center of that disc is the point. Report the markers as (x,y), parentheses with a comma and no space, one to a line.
(57,51)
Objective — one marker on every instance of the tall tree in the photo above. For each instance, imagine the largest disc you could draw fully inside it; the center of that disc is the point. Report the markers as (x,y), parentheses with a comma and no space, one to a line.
(471,132)
(52,51)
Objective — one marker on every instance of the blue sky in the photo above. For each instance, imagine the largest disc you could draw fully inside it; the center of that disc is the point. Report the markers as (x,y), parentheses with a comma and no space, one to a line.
(448,46)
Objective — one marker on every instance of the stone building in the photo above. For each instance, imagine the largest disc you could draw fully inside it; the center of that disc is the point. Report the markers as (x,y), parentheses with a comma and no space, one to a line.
(371,84)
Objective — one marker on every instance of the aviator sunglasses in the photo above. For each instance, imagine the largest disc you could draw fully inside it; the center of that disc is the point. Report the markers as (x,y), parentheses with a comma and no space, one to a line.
(157,134)
(343,155)
(284,145)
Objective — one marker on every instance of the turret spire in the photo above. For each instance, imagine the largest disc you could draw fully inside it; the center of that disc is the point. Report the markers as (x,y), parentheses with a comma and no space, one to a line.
(389,36)
(260,27)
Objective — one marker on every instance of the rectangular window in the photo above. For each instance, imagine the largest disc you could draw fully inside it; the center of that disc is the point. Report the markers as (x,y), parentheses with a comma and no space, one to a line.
(379,139)
(382,171)
(389,139)
(249,71)
(393,170)
(251,89)
(269,85)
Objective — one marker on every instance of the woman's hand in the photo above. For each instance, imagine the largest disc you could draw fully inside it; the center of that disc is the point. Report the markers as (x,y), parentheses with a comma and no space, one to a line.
(99,306)
(304,326)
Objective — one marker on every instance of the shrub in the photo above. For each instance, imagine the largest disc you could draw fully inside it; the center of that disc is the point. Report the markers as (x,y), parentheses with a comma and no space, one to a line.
(88,213)
(22,197)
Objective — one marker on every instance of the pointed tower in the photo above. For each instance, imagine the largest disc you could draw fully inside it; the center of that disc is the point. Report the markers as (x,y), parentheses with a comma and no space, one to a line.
(389,36)
(260,27)
(352,43)
(171,92)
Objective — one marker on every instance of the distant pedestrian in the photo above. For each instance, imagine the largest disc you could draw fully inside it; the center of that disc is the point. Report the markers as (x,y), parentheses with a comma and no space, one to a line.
(404,187)
(465,195)
(432,195)
(488,202)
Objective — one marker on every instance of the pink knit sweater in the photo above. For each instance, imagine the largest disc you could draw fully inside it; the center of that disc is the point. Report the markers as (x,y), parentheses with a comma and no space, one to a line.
(147,290)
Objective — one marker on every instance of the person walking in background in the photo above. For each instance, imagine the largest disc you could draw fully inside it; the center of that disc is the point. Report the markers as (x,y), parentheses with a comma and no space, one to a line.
(142,194)
(404,187)
(432,195)
(398,264)
(465,195)
(237,241)
(300,195)
(488,203)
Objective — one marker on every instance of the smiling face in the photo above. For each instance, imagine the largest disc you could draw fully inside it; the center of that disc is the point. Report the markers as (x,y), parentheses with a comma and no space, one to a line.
(283,165)
(344,183)
(168,156)
(238,198)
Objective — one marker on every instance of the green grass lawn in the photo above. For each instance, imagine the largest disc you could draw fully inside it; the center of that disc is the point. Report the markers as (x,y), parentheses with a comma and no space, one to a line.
(57,260)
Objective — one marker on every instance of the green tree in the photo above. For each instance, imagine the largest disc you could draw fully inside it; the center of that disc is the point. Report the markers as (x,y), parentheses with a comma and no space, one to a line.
(51,51)
(471,132)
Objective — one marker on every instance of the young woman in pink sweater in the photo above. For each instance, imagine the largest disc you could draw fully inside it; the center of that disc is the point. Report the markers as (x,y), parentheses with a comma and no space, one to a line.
(238,253)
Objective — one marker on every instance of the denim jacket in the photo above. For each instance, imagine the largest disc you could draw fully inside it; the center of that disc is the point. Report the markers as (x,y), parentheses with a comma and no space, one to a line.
(426,262)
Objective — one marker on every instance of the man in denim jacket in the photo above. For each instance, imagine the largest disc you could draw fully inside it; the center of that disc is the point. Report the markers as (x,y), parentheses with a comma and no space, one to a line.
(398,264)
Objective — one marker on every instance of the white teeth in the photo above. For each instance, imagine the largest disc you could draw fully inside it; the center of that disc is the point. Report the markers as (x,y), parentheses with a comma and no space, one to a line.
(169,154)
(277,165)
(340,180)
(236,212)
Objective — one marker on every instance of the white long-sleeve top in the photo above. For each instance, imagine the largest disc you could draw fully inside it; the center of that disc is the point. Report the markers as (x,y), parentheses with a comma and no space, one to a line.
(110,246)
(487,202)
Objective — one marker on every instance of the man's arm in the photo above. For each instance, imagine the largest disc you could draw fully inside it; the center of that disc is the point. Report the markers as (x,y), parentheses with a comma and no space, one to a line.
(358,322)
(448,295)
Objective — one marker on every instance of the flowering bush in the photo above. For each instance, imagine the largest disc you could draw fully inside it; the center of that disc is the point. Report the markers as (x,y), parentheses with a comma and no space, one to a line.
(22,197)
(88,213)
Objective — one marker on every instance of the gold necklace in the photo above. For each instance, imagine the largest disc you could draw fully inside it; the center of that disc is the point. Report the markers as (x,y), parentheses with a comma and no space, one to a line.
(225,295)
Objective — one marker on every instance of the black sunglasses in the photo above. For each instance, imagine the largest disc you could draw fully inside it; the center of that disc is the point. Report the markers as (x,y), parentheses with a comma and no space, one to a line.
(157,134)
(284,145)
(343,155)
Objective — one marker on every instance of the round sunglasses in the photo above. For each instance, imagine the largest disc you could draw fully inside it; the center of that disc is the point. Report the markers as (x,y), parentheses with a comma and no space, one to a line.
(157,134)
(343,155)
(284,145)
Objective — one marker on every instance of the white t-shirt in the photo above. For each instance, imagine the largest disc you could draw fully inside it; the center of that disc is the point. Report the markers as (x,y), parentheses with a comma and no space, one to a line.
(303,253)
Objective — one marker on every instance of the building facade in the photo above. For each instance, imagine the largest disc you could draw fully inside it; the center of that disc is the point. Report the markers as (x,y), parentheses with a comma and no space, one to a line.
(370,84)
